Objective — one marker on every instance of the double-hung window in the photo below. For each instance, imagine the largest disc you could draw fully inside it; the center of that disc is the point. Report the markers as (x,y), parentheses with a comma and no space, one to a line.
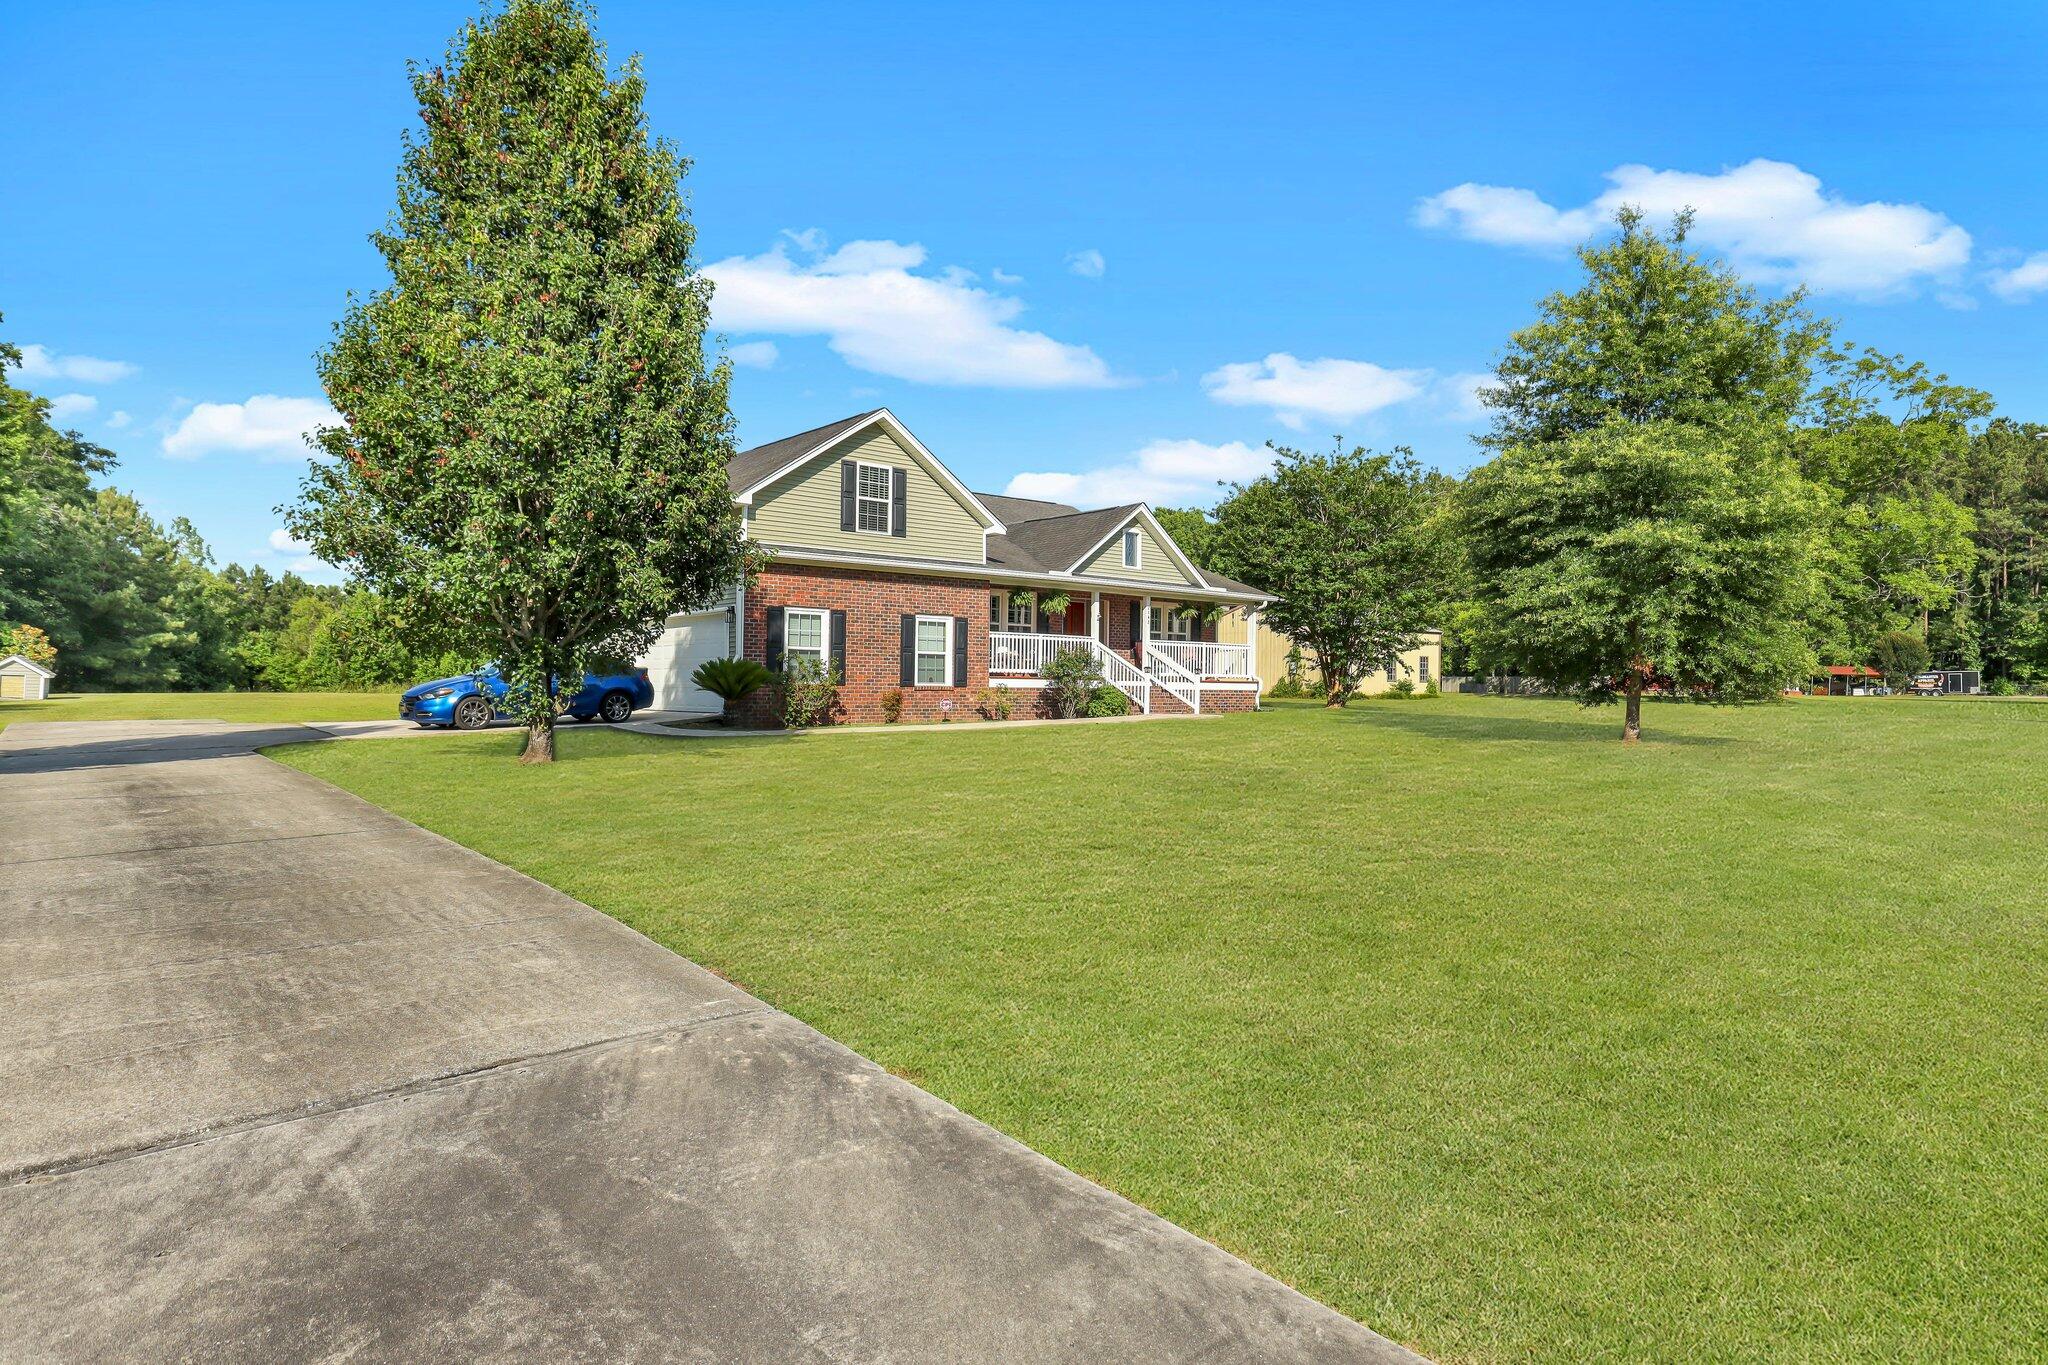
(804,636)
(871,500)
(934,651)
(1024,614)
(1134,546)
(1168,624)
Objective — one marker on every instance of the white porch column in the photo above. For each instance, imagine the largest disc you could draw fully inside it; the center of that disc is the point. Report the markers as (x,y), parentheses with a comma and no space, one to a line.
(1095,614)
(1145,626)
(1251,653)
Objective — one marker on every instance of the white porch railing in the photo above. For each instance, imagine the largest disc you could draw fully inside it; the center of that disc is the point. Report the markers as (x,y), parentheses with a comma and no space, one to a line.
(1206,661)
(1012,651)
(1174,678)
(1125,676)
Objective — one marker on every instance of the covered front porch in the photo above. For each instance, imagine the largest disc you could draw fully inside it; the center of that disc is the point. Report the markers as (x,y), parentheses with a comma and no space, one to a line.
(1161,652)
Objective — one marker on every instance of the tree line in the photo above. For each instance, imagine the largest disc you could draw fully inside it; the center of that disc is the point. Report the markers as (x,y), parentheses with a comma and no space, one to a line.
(1690,489)
(116,601)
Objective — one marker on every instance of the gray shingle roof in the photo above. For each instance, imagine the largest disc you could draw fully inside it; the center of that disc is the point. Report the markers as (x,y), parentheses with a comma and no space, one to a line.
(1012,511)
(1052,544)
(749,467)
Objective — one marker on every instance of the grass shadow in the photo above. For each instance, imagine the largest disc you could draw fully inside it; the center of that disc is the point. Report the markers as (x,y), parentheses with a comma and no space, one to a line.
(1560,722)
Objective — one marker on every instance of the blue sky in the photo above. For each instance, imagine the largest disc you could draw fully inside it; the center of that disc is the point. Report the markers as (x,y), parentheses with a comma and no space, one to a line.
(1094,250)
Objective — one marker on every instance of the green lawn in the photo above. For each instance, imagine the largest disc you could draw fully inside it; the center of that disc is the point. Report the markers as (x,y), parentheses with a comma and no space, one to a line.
(231,706)
(1509,1041)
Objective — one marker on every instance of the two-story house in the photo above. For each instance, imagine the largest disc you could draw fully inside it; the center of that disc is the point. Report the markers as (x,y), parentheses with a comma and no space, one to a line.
(886,565)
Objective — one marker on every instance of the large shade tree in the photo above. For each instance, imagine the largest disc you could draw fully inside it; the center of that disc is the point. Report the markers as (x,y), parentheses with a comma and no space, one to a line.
(1347,542)
(1643,521)
(1640,555)
(531,459)
(1654,334)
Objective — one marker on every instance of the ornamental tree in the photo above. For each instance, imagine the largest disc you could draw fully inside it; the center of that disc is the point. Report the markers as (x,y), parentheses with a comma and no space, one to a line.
(1646,554)
(1347,542)
(530,462)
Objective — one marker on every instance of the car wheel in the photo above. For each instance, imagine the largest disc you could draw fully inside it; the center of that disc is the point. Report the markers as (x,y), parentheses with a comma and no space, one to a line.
(615,708)
(472,713)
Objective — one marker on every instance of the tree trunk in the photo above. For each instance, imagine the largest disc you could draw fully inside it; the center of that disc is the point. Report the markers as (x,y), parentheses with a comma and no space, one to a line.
(1339,694)
(540,740)
(1632,718)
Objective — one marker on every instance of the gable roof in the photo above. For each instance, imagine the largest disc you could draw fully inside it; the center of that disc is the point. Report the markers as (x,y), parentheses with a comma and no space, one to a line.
(749,470)
(1023,535)
(1053,544)
(24,659)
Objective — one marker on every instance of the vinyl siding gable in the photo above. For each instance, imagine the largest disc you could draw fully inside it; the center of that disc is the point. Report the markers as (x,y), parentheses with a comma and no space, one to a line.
(1155,565)
(802,507)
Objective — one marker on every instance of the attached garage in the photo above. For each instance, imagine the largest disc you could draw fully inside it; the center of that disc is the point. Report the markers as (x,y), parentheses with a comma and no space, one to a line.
(23,679)
(686,642)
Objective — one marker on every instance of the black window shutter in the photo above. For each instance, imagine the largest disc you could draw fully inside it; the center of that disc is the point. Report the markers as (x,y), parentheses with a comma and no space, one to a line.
(839,644)
(959,651)
(849,474)
(774,653)
(909,651)
(899,498)
(1137,623)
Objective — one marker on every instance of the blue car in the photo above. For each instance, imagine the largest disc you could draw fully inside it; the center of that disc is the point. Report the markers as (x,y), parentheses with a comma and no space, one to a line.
(470,701)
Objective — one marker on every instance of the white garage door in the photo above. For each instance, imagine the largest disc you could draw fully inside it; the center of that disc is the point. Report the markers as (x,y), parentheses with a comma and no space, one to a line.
(687,642)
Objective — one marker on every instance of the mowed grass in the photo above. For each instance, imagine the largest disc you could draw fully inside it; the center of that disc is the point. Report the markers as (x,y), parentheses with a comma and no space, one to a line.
(245,707)
(1505,1040)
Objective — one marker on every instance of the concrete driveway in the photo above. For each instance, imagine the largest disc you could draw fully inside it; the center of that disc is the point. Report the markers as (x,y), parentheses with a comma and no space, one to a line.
(285,1076)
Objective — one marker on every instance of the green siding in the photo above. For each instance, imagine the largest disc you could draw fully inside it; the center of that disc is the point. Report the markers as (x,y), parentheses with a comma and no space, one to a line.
(802,507)
(1155,565)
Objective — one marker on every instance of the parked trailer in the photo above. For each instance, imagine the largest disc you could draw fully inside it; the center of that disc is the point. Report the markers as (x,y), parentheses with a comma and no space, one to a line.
(1943,682)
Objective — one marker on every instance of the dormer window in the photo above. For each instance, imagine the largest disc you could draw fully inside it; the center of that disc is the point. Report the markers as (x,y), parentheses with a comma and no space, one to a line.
(871,512)
(1133,549)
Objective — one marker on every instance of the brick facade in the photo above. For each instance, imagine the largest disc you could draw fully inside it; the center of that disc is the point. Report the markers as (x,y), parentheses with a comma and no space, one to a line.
(875,603)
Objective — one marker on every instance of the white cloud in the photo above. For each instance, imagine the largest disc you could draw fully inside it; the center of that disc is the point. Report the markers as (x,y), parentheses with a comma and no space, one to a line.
(66,406)
(1460,395)
(267,426)
(879,315)
(1340,390)
(1772,220)
(40,362)
(2023,281)
(283,552)
(754,355)
(117,420)
(1163,473)
(1002,276)
(1088,264)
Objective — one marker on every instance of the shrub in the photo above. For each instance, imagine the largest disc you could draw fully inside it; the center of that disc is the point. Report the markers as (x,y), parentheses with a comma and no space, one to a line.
(2002,687)
(1403,689)
(731,680)
(810,693)
(1430,689)
(892,705)
(1108,701)
(1072,677)
(995,703)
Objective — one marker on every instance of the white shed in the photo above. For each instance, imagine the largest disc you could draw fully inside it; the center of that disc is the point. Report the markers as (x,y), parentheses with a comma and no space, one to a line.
(23,679)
